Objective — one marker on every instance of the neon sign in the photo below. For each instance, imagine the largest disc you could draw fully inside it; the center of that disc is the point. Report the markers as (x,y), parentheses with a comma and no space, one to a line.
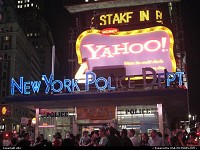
(129,17)
(100,83)
(150,47)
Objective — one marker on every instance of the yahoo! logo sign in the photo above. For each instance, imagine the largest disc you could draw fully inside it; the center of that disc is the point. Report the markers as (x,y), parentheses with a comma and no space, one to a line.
(125,48)
(150,47)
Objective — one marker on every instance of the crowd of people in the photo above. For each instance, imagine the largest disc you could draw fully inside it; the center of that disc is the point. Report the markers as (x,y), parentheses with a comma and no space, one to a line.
(109,137)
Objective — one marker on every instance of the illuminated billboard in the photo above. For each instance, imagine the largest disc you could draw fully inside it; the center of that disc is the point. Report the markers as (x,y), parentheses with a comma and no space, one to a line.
(136,49)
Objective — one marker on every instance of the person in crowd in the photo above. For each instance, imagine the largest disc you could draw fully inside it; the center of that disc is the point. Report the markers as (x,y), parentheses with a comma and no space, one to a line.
(159,134)
(38,142)
(58,139)
(68,141)
(14,141)
(144,140)
(125,140)
(107,131)
(32,142)
(103,141)
(85,139)
(113,139)
(167,141)
(25,141)
(133,137)
(77,140)
(192,139)
(173,138)
(155,140)
(42,140)
(178,139)
(97,138)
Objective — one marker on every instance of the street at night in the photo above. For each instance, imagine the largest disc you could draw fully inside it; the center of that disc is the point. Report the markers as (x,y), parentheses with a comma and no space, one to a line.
(99,73)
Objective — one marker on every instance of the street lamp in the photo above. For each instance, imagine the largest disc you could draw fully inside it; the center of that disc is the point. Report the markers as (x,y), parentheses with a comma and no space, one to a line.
(34,122)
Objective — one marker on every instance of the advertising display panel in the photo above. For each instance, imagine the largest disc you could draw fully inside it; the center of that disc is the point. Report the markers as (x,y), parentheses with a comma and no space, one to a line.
(135,49)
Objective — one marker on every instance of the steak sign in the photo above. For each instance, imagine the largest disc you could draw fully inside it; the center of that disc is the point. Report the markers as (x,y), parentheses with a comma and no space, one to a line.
(136,49)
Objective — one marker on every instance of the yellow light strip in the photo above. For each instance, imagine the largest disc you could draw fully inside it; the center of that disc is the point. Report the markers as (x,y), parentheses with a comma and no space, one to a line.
(125,33)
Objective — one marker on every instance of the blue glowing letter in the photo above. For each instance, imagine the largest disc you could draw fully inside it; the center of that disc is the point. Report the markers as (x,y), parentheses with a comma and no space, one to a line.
(74,84)
(26,87)
(105,83)
(35,86)
(57,90)
(67,85)
(14,84)
(179,74)
(47,82)
(170,78)
(109,84)
(87,80)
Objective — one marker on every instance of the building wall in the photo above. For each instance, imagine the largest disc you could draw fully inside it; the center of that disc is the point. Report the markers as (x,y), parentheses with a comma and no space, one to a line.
(18,58)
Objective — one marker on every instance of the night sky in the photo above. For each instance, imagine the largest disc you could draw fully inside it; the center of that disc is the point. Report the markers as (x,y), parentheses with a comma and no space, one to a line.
(59,19)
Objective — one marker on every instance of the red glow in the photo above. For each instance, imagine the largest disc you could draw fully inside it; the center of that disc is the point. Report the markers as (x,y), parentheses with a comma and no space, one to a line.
(6,134)
(108,31)
(14,131)
(198,133)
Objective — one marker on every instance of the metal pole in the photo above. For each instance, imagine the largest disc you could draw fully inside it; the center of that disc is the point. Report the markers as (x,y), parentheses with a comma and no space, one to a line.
(37,122)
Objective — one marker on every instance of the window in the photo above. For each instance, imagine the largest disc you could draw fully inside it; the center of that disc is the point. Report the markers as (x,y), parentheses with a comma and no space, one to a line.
(5,65)
(5,47)
(31,34)
(27,34)
(4,74)
(3,93)
(31,4)
(11,29)
(35,34)
(18,6)
(27,5)
(6,38)
(86,1)
(28,1)
(5,56)
(4,84)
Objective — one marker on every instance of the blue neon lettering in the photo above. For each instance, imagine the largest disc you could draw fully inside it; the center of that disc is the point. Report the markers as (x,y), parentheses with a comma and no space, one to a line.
(67,85)
(27,87)
(105,83)
(170,78)
(88,82)
(74,84)
(47,82)
(179,74)
(109,84)
(35,86)
(19,87)
(59,89)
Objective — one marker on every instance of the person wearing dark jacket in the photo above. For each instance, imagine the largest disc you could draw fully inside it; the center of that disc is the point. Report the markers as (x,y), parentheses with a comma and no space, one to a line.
(25,141)
(125,140)
(113,140)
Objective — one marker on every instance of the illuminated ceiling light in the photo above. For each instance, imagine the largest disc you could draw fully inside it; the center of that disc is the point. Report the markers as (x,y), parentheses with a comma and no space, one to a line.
(189,116)
(86,1)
